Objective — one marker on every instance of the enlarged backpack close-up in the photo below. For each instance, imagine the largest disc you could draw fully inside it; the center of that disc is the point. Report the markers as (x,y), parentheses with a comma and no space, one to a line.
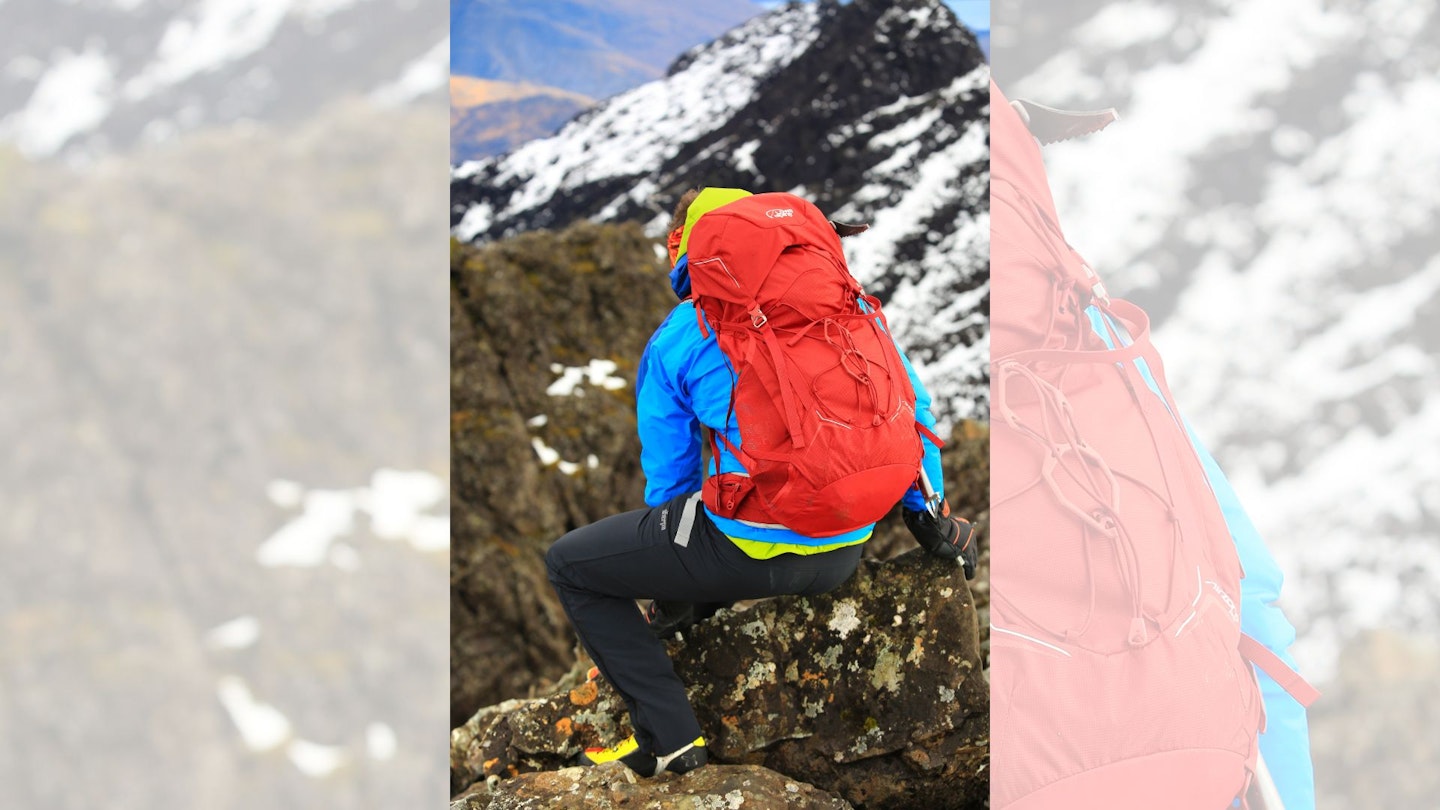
(1119,670)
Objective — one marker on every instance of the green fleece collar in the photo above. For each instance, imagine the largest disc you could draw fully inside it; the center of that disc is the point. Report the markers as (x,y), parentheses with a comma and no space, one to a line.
(709,200)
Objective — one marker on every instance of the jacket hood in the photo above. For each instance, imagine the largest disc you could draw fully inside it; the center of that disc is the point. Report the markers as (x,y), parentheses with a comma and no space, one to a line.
(680,278)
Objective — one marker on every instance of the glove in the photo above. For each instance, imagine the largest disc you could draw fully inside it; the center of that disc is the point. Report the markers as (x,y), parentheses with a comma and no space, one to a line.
(947,537)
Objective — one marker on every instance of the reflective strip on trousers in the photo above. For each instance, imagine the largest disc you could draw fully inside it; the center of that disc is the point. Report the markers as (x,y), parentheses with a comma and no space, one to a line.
(687,521)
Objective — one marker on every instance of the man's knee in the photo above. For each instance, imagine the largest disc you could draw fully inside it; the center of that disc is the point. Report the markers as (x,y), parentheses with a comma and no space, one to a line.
(555,562)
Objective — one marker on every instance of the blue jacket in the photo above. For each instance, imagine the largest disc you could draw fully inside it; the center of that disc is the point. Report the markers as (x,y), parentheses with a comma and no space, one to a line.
(1285,743)
(685,381)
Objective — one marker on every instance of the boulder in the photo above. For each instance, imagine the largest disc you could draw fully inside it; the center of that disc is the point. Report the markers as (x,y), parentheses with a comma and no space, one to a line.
(610,786)
(874,691)
(1372,733)
(966,461)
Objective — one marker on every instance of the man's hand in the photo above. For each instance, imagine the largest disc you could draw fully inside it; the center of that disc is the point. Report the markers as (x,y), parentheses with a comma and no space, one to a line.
(948,537)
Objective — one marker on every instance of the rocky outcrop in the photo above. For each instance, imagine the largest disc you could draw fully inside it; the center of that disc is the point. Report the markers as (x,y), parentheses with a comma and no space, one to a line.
(873,691)
(518,308)
(1372,733)
(966,461)
(612,786)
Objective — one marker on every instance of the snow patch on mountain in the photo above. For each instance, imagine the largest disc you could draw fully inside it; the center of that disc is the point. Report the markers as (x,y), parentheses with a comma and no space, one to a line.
(236,634)
(215,33)
(1121,25)
(107,74)
(427,74)
(74,94)
(1123,186)
(396,500)
(261,726)
(906,193)
(319,9)
(599,373)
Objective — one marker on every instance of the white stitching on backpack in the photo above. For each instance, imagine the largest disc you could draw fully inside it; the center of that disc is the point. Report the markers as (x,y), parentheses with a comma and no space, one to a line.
(995,629)
(723,266)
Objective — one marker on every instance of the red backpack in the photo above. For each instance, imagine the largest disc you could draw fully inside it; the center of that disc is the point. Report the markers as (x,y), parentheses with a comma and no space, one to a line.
(1117,673)
(824,406)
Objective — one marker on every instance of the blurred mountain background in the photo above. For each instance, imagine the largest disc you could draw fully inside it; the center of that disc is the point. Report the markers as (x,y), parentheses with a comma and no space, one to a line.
(224,515)
(88,77)
(1269,197)
(541,63)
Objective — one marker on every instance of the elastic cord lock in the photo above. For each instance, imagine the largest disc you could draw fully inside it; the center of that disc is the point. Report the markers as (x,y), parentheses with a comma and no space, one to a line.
(1139,634)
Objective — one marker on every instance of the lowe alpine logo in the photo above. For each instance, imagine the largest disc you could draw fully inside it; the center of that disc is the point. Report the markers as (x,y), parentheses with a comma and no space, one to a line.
(777,213)
(1225,597)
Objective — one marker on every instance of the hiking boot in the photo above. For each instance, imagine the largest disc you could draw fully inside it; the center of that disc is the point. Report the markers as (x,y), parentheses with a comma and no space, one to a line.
(668,618)
(628,751)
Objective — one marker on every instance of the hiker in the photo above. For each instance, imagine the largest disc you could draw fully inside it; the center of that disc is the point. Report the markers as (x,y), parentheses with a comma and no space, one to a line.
(1134,594)
(712,535)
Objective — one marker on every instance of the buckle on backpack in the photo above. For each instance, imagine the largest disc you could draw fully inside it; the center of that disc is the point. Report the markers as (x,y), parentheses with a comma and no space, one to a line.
(1097,287)
(757,318)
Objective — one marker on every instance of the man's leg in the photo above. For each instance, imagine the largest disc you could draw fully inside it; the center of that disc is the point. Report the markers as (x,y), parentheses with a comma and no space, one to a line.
(672,553)
(599,571)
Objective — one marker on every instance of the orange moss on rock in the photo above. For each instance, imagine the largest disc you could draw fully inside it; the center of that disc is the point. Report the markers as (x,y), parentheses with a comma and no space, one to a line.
(584,694)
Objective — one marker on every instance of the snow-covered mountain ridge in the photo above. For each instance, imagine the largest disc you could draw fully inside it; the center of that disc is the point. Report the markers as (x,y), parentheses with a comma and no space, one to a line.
(876,111)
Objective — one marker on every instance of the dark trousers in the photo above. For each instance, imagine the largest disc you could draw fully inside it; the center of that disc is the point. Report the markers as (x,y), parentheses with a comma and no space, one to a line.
(673,553)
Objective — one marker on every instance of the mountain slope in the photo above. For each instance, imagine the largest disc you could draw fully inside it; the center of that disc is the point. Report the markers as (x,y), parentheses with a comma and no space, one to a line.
(876,111)
(489,117)
(83,78)
(230,339)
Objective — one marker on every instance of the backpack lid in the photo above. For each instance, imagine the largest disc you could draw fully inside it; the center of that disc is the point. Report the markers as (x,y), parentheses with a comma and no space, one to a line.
(733,248)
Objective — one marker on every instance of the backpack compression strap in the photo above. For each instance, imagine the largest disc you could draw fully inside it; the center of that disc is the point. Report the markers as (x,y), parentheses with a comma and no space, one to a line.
(1271,664)
(1050,125)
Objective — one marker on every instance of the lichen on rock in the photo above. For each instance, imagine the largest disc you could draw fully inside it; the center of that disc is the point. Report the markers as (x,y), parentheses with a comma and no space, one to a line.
(613,786)
(854,707)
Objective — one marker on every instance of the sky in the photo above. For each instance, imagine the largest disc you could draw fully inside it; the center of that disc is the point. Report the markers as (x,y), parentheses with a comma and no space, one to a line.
(974,13)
